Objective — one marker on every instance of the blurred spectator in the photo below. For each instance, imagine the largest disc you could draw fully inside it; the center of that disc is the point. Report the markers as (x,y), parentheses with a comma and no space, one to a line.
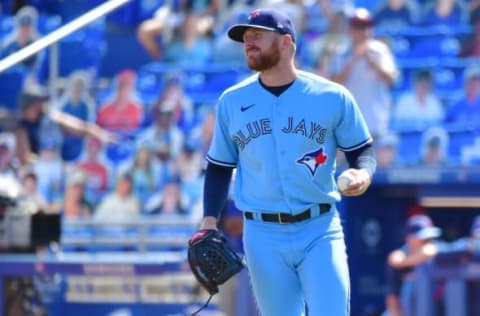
(7,154)
(419,108)
(123,113)
(121,205)
(466,111)
(159,28)
(76,102)
(224,50)
(367,71)
(203,133)
(470,46)
(444,13)
(386,150)
(28,127)
(169,202)
(174,97)
(76,205)
(146,173)
(396,14)
(333,42)
(434,146)
(24,33)
(475,235)
(49,169)
(188,46)
(32,201)
(38,120)
(96,167)
(10,186)
(188,166)
(419,248)
(163,137)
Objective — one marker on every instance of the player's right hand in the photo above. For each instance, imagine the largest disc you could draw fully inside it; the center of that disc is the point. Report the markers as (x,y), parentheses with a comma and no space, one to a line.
(209,222)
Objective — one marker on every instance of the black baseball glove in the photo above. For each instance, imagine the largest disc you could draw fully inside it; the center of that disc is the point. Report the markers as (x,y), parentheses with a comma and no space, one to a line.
(211,259)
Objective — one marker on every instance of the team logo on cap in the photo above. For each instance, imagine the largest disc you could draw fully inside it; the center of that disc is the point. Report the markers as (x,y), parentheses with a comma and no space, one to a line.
(313,160)
(254,14)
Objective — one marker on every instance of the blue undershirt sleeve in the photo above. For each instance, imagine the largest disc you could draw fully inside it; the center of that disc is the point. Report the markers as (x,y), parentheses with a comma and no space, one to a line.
(362,158)
(216,186)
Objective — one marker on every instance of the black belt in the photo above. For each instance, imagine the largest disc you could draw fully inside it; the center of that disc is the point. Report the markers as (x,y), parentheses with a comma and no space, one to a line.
(284,218)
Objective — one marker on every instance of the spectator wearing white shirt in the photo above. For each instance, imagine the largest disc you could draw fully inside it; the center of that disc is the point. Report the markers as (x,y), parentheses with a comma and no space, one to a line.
(121,205)
(419,107)
(368,69)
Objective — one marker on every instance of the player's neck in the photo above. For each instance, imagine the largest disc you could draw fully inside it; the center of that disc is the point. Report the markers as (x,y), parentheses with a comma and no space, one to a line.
(279,75)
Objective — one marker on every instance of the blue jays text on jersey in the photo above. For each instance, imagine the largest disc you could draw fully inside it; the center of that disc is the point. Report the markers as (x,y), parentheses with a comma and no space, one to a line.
(262,127)
(285,145)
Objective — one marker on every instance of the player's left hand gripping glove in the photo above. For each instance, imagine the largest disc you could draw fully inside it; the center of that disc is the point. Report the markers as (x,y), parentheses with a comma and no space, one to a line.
(211,259)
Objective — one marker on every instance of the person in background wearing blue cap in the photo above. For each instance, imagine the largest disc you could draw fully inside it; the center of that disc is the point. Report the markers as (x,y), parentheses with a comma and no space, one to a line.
(281,128)
(419,248)
(24,33)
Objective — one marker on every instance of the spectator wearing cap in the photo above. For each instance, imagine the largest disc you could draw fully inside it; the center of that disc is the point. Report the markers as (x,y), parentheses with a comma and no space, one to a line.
(466,111)
(418,108)
(76,204)
(419,248)
(174,97)
(367,69)
(434,146)
(163,137)
(24,33)
(123,113)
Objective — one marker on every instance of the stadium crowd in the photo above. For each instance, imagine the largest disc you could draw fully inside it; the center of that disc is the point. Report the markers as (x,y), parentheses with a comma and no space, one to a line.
(112,148)
(129,147)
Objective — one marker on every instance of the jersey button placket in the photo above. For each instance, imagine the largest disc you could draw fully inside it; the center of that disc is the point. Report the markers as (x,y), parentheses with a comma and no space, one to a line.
(280,147)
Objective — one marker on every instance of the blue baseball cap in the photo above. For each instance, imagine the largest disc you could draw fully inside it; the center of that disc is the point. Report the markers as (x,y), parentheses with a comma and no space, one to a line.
(421,227)
(265,19)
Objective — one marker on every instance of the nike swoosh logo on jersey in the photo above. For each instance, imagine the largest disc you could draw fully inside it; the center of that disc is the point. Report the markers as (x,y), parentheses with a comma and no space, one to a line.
(246,107)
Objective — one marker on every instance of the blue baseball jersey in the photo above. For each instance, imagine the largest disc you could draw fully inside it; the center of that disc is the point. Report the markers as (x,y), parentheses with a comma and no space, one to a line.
(284,147)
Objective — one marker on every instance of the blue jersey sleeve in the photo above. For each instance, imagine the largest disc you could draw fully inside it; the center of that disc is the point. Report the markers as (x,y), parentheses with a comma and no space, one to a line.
(352,131)
(223,150)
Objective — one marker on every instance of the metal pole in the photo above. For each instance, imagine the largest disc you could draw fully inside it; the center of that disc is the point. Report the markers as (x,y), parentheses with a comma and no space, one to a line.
(60,33)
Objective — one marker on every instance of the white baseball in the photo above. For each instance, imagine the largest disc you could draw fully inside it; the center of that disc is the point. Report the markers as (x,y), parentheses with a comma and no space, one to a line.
(343,181)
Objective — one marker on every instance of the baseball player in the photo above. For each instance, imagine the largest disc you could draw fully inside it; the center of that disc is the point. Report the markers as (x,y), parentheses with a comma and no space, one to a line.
(280,128)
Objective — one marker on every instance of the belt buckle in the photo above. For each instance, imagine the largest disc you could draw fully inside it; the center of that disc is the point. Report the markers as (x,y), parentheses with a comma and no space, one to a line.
(279,216)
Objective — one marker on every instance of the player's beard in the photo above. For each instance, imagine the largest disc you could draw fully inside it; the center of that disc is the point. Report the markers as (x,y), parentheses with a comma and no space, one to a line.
(266,59)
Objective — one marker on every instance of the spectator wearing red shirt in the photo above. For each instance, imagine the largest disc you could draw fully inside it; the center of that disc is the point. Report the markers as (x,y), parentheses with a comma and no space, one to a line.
(123,113)
(96,169)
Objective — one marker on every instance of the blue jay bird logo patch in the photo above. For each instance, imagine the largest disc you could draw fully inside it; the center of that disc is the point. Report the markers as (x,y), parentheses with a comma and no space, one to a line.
(313,159)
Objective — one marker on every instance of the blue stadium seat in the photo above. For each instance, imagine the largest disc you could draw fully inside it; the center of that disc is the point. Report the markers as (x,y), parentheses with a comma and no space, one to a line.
(11,83)
(409,147)
(438,46)
(122,150)
(459,139)
(149,86)
(146,8)
(48,23)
